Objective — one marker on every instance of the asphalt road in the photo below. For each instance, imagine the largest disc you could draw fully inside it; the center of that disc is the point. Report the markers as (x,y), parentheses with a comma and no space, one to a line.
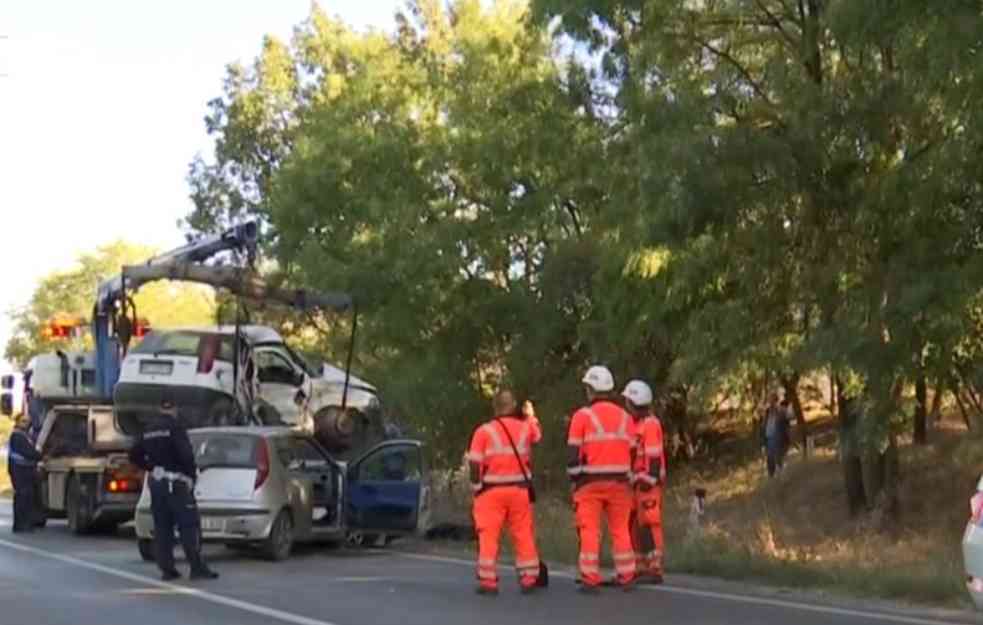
(54,578)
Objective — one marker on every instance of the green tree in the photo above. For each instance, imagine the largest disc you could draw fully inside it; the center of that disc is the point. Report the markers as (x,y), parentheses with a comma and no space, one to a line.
(811,167)
(72,292)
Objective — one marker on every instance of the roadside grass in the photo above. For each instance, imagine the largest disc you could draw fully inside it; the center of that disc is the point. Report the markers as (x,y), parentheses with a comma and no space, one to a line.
(6,425)
(795,531)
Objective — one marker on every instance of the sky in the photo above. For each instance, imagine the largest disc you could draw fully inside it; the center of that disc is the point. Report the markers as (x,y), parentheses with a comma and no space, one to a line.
(101,110)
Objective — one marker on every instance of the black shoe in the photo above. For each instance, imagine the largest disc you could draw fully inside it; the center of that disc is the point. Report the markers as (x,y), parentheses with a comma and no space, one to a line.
(170,576)
(482,590)
(204,574)
(650,580)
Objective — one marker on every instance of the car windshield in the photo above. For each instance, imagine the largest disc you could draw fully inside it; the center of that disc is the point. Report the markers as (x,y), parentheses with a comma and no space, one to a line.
(224,450)
(182,343)
(300,361)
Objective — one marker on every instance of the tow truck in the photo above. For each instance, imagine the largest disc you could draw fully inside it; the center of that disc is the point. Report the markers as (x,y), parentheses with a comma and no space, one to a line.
(84,474)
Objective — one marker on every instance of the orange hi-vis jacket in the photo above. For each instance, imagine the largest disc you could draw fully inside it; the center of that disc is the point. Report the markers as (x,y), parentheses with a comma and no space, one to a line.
(491,449)
(605,434)
(649,453)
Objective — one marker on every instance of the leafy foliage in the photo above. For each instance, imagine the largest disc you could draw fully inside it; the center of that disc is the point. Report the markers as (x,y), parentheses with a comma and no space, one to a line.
(696,192)
(73,291)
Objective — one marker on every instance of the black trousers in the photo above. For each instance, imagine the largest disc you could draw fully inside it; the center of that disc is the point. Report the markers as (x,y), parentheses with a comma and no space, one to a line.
(23,479)
(173,505)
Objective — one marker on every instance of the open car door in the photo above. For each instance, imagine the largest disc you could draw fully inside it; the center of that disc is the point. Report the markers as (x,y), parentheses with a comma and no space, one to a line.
(389,489)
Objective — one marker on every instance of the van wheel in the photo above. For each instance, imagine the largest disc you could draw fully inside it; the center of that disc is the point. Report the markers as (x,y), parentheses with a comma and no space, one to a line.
(280,542)
(146,548)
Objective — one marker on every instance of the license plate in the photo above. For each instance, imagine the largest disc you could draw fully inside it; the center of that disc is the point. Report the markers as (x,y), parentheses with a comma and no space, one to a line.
(212,525)
(156,367)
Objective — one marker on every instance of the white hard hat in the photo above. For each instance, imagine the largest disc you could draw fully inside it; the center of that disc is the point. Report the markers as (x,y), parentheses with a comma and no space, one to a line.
(599,378)
(638,393)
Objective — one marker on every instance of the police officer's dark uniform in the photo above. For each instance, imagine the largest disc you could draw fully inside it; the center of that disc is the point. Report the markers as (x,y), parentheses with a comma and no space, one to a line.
(22,460)
(164,451)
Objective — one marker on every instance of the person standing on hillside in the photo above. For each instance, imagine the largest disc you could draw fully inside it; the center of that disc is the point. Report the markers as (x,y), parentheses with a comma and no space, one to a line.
(775,435)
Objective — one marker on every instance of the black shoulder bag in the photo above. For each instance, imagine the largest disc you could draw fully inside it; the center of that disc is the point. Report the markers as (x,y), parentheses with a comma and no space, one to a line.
(543,579)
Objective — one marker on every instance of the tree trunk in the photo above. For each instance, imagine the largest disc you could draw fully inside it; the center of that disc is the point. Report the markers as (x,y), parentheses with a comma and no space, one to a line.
(853,478)
(936,414)
(957,393)
(791,385)
(921,410)
(850,457)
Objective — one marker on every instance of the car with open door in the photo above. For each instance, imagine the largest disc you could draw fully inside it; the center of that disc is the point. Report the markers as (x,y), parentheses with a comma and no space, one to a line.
(271,487)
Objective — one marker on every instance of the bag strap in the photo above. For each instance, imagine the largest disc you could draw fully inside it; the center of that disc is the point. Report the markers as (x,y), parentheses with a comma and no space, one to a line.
(515,450)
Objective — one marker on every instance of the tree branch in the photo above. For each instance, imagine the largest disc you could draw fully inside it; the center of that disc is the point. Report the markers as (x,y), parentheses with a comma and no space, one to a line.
(773,19)
(737,65)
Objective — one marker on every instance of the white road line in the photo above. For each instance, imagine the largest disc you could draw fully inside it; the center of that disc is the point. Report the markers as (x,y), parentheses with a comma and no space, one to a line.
(724,596)
(285,617)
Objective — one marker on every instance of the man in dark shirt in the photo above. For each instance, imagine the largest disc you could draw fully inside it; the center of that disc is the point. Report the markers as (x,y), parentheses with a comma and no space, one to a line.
(164,451)
(22,460)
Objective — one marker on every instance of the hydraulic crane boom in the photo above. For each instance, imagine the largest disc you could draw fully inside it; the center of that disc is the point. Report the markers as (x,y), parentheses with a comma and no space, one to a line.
(111,327)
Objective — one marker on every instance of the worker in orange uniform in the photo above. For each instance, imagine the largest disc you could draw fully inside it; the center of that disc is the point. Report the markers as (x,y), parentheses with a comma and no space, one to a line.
(599,442)
(649,478)
(500,479)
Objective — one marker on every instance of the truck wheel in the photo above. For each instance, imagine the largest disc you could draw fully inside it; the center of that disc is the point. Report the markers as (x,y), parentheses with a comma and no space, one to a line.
(146,548)
(76,509)
(280,542)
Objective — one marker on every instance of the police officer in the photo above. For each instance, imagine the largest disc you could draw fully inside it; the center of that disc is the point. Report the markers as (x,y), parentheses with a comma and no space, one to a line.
(164,450)
(22,460)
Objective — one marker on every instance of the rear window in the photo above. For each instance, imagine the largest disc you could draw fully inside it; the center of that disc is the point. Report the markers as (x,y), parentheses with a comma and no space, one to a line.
(183,343)
(224,450)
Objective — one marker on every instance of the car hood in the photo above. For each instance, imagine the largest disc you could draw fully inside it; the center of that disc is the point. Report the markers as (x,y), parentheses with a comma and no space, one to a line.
(334,375)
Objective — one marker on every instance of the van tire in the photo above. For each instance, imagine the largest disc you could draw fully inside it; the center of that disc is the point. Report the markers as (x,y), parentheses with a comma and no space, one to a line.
(280,542)
(146,548)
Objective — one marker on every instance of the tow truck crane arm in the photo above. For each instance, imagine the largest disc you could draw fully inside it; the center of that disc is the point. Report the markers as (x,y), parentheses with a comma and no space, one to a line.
(111,326)
(238,281)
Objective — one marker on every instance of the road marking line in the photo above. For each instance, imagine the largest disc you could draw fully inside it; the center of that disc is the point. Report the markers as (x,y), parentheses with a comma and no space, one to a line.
(204,595)
(725,596)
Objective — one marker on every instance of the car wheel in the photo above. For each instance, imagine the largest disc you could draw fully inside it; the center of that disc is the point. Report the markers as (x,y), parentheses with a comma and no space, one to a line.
(280,542)
(146,548)
(75,509)
(358,539)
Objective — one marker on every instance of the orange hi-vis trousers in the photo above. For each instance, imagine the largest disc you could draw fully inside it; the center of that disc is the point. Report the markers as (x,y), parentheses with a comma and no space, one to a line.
(647,533)
(614,499)
(494,508)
